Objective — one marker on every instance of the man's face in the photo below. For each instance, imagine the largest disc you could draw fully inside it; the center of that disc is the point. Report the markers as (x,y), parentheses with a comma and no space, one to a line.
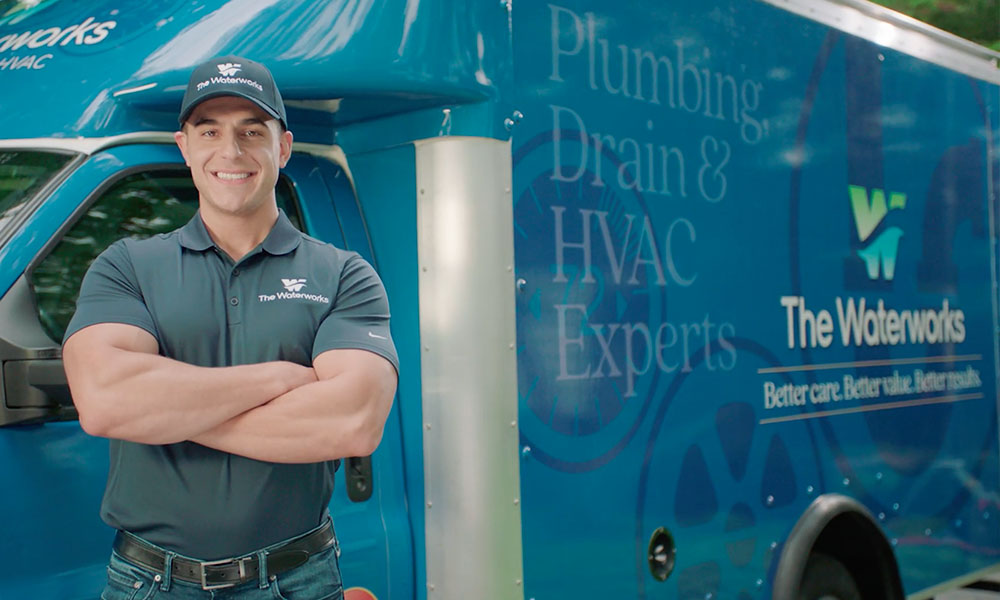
(234,150)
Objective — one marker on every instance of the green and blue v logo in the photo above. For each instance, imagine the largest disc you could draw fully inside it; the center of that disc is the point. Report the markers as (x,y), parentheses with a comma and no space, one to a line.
(869,211)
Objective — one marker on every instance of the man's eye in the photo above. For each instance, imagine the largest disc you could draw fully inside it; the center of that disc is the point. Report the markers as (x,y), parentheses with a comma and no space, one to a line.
(208,133)
(252,133)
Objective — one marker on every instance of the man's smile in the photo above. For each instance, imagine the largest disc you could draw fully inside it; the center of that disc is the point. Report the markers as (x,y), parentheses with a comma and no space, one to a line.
(233,176)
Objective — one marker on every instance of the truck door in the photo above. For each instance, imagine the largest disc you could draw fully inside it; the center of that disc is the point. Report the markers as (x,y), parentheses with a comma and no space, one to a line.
(369,510)
(54,545)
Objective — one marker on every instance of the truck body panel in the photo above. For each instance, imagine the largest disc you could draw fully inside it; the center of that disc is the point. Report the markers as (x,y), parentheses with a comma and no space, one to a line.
(700,211)
(386,57)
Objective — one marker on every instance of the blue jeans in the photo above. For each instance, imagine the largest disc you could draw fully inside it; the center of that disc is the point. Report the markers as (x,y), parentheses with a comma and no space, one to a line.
(317,579)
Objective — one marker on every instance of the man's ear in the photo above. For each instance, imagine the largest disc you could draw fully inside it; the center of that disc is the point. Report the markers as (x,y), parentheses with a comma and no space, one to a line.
(285,151)
(181,139)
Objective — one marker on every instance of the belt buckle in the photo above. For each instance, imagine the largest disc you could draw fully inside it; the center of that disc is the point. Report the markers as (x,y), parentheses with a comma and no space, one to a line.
(217,563)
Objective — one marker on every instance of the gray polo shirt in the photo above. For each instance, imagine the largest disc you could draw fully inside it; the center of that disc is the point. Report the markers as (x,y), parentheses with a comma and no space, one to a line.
(291,298)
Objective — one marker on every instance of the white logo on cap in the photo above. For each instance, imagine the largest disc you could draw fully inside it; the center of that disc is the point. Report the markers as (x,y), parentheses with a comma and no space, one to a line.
(229,69)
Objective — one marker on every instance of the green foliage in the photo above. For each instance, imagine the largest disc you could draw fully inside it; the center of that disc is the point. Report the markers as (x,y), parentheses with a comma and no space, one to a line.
(22,173)
(138,207)
(975,20)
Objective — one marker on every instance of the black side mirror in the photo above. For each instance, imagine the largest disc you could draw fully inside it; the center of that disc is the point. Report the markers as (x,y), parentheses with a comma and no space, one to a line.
(35,390)
(33,385)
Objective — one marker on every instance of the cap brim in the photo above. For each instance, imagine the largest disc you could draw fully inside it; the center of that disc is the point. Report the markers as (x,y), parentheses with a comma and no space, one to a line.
(219,94)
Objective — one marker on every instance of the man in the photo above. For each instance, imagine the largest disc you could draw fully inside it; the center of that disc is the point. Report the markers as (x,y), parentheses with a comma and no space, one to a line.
(231,362)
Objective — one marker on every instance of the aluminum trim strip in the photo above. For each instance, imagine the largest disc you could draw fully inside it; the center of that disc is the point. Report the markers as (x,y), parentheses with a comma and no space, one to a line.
(899,32)
(90,146)
(468,369)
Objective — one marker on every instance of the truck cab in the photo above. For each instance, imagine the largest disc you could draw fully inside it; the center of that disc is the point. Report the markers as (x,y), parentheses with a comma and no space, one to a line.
(88,157)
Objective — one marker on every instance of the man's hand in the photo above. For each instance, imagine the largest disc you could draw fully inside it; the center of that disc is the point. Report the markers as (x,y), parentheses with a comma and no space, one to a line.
(295,375)
(343,414)
(124,389)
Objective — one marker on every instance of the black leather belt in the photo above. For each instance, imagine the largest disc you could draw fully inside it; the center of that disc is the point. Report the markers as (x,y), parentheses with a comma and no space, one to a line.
(215,574)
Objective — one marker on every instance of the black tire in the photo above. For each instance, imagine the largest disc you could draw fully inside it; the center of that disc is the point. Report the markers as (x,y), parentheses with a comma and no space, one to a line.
(826,578)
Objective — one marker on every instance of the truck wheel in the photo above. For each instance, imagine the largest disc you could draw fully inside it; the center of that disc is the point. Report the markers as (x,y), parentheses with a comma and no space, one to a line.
(826,578)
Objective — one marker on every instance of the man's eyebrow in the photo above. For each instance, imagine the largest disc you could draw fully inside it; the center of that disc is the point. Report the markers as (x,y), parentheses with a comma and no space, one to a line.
(211,121)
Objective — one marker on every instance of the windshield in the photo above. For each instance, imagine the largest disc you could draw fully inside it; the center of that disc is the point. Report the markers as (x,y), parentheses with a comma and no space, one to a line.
(22,174)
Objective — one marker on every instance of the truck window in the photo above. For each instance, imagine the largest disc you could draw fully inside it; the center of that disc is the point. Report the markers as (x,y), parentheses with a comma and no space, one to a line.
(22,174)
(137,206)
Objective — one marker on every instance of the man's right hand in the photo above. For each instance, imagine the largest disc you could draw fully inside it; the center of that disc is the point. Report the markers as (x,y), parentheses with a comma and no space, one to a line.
(124,389)
(297,375)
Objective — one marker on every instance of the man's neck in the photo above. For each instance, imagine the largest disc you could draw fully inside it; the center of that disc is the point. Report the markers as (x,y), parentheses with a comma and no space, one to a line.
(238,234)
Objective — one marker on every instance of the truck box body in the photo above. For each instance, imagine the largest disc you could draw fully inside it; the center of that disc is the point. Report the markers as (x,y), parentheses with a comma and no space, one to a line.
(703,201)
(685,296)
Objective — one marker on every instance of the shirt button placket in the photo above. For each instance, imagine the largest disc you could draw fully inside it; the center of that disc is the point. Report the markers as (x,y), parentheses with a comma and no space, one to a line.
(236,299)
(234,294)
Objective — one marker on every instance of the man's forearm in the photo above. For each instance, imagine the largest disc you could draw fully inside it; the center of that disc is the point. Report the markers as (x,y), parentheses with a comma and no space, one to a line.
(317,422)
(151,399)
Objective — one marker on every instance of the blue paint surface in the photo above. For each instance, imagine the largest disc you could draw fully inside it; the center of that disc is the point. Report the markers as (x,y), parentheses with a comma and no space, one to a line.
(389,206)
(126,67)
(660,218)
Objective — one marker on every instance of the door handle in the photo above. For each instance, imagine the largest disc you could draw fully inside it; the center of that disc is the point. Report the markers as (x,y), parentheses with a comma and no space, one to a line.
(358,473)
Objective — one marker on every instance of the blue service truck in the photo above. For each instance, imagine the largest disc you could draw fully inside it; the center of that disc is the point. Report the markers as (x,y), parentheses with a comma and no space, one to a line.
(693,300)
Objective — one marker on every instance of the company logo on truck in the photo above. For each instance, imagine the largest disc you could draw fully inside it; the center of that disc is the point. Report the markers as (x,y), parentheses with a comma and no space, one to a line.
(862,322)
(869,210)
(87,33)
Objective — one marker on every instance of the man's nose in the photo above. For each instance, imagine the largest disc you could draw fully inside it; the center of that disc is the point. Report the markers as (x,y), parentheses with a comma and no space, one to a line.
(231,145)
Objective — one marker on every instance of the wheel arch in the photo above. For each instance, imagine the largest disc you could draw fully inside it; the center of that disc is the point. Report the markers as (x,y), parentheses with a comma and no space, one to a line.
(843,528)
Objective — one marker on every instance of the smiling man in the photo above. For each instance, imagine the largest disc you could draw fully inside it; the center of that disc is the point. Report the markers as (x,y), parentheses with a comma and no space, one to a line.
(231,363)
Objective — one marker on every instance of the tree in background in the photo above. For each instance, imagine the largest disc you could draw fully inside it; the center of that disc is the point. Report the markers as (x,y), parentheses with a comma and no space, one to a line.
(976,20)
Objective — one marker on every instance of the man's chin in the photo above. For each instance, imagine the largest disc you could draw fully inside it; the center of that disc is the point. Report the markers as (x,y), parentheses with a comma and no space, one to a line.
(237,207)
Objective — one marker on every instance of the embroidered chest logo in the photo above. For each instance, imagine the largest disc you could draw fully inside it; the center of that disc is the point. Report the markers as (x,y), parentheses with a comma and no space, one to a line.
(293,291)
(293,285)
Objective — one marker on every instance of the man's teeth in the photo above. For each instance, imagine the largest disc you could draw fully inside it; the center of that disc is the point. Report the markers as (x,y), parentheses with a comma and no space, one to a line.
(232,176)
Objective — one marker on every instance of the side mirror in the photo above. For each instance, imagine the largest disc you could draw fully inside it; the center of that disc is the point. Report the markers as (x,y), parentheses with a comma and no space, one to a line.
(35,390)
(33,386)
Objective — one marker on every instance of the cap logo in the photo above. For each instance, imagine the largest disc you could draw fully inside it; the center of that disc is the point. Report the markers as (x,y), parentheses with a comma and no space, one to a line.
(229,69)
(231,76)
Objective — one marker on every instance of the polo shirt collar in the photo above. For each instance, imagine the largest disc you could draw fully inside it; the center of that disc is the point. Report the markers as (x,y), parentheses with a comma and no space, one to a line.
(194,236)
(282,239)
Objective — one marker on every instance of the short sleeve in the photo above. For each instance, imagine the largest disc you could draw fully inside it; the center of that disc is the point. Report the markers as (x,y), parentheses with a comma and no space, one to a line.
(359,317)
(110,294)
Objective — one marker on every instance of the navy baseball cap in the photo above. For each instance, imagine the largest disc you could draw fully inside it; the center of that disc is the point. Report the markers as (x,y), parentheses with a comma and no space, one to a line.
(233,76)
